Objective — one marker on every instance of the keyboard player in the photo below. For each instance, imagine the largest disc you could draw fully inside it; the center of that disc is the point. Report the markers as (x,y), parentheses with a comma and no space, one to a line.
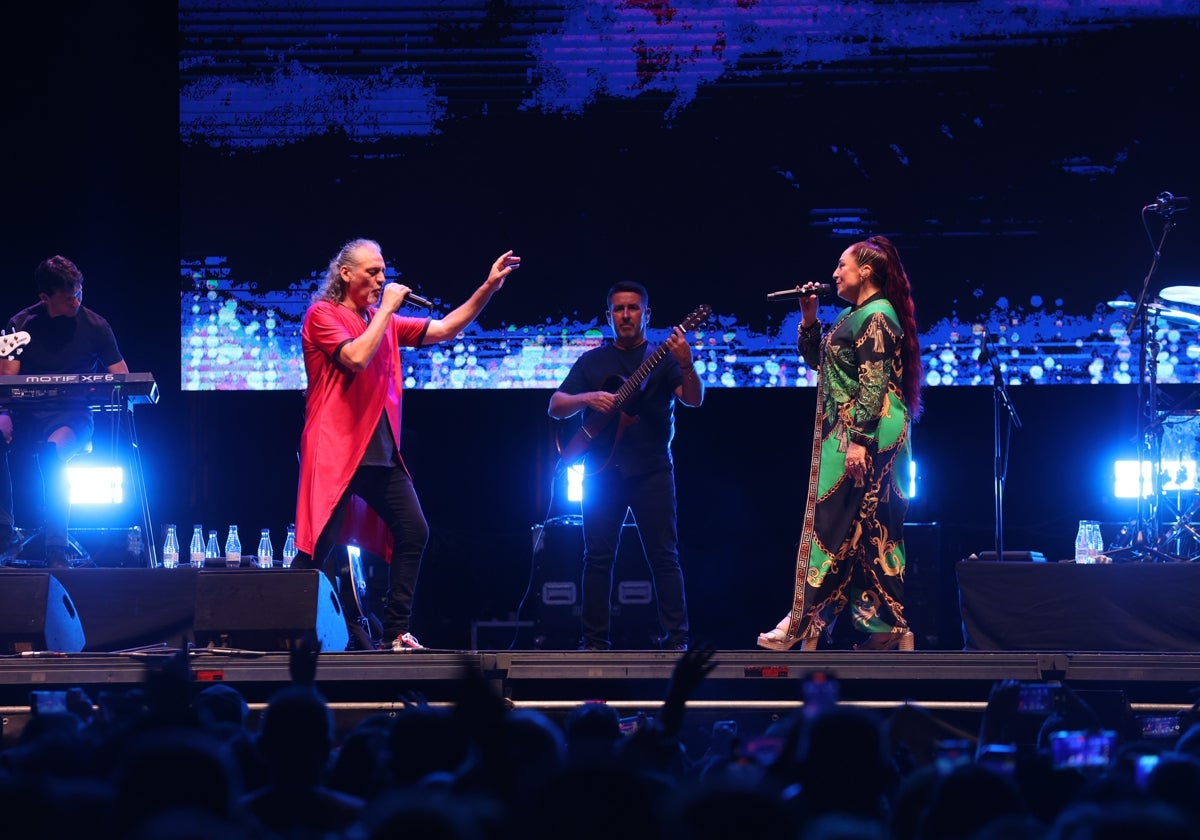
(64,337)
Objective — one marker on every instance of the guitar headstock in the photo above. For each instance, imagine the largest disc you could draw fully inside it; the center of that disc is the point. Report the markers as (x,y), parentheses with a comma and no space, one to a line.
(697,317)
(11,344)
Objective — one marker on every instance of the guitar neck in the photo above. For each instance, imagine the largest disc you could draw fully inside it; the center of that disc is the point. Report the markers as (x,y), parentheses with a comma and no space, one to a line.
(596,422)
(631,385)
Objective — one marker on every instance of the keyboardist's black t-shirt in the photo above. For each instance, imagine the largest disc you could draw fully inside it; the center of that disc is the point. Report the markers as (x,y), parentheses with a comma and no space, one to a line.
(83,344)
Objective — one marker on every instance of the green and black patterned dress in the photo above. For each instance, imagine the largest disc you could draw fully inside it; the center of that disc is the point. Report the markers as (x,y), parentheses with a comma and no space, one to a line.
(852,546)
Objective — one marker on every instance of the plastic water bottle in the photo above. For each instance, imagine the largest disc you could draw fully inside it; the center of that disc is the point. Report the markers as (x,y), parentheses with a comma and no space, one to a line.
(170,557)
(1086,539)
(1096,546)
(233,549)
(1081,542)
(266,553)
(196,550)
(133,542)
(212,551)
(289,547)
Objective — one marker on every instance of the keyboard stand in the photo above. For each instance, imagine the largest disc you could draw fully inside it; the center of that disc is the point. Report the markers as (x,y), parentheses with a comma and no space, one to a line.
(122,407)
(149,538)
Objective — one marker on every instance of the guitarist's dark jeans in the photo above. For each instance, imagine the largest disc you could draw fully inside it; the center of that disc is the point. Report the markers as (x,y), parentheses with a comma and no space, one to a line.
(390,493)
(606,498)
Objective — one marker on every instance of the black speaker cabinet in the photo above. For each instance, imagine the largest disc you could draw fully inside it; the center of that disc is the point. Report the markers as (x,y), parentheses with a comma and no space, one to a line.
(36,613)
(267,609)
(557,585)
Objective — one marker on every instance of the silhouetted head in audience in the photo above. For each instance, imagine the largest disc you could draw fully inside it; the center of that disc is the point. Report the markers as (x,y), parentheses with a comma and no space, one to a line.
(535,748)
(843,765)
(712,811)
(1120,821)
(296,736)
(595,802)
(171,769)
(425,740)
(221,703)
(431,816)
(1175,780)
(360,761)
(966,799)
(1189,741)
(51,743)
(592,730)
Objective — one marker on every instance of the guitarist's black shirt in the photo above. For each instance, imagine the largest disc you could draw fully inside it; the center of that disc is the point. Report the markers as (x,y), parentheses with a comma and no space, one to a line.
(640,440)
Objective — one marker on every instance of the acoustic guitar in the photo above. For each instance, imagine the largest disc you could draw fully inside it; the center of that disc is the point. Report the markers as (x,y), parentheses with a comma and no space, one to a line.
(624,390)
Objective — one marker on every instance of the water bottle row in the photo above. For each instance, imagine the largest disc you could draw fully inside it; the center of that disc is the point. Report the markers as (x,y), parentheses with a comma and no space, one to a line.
(208,552)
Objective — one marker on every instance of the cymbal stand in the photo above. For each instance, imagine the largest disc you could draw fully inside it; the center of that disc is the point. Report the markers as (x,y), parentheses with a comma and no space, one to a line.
(1000,399)
(1183,533)
(1146,538)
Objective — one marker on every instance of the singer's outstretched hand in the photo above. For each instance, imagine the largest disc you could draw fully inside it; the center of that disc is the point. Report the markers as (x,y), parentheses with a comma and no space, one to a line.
(451,324)
(505,264)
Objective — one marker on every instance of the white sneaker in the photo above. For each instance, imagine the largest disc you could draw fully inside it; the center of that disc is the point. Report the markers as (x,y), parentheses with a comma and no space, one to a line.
(405,643)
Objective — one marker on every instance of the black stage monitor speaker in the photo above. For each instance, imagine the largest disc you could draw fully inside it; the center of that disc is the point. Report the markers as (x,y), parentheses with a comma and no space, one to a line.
(558,570)
(267,609)
(36,613)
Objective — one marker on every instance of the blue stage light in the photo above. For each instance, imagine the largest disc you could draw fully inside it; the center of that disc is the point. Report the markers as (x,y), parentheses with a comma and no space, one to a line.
(96,485)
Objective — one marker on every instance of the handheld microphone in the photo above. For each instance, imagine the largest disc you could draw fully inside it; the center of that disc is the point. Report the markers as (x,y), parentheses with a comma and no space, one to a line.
(416,300)
(818,289)
(1165,204)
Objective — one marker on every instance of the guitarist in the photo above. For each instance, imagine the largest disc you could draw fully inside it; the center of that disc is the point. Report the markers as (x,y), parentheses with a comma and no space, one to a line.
(628,467)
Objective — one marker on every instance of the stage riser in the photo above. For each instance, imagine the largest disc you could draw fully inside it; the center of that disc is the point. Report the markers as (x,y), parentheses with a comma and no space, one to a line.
(355,693)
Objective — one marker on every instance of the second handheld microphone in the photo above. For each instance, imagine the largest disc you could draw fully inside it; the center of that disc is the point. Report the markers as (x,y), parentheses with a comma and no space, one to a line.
(818,289)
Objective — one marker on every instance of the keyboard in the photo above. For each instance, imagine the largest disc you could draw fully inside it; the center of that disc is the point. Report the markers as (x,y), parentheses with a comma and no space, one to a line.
(99,389)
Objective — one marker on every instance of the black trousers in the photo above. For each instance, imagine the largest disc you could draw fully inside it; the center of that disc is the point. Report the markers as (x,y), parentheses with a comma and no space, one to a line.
(607,497)
(390,493)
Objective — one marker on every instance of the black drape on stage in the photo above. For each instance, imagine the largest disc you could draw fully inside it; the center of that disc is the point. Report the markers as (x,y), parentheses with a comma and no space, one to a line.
(1063,606)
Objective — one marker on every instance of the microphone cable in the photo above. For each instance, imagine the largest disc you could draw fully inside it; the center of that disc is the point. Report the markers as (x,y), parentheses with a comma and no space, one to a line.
(538,544)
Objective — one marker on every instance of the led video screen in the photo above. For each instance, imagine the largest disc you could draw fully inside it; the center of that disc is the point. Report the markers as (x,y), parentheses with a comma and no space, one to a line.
(715,151)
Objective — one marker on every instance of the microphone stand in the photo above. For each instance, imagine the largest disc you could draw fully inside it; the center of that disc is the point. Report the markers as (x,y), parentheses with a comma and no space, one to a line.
(1000,399)
(1147,420)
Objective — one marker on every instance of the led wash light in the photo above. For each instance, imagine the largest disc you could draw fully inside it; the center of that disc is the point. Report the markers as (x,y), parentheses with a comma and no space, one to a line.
(575,483)
(1176,475)
(96,485)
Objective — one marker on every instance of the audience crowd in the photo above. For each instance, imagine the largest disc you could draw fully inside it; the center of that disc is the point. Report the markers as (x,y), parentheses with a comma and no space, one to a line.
(170,759)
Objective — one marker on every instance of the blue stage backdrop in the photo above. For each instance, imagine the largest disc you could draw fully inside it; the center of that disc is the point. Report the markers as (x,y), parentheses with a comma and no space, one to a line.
(715,151)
